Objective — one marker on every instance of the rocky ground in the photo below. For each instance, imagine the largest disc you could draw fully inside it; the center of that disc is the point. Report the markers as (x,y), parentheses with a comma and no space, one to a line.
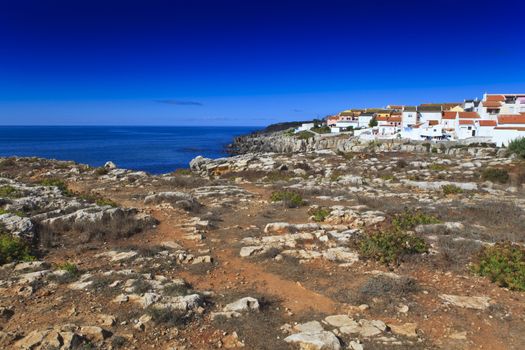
(262,251)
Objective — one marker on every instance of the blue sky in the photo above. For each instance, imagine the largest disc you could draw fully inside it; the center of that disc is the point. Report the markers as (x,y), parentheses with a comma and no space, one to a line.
(229,62)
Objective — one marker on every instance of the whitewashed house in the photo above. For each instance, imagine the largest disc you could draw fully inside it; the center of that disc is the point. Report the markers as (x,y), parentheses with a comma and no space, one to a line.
(363,121)
(389,125)
(409,116)
(509,127)
(466,125)
(429,112)
(305,127)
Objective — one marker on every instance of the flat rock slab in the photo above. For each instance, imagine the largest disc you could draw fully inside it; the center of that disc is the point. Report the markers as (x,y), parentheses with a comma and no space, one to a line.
(477,303)
(315,341)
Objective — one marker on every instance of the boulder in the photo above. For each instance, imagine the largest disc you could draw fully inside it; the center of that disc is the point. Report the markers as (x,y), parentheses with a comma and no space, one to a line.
(243,304)
(315,340)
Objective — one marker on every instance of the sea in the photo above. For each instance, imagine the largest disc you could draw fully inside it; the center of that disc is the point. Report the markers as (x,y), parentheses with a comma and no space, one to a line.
(154,149)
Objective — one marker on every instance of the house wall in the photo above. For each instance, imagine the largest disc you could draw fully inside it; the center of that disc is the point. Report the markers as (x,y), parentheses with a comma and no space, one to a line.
(363,122)
(409,118)
(503,137)
(485,131)
(426,116)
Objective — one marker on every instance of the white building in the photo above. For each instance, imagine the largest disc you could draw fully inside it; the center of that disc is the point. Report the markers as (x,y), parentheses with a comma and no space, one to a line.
(509,127)
(409,116)
(363,121)
(429,112)
(305,127)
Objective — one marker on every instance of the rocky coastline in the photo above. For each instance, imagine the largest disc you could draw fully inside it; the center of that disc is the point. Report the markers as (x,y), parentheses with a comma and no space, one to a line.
(324,243)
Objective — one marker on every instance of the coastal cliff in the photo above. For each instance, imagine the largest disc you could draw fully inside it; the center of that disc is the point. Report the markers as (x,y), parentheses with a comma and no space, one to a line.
(281,142)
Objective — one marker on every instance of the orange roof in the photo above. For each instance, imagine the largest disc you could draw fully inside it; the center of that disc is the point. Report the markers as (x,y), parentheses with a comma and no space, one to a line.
(498,98)
(487,123)
(509,128)
(391,119)
(511,119)
(466,122)
(492,104)
(469,115)
(433,122)
(449,115)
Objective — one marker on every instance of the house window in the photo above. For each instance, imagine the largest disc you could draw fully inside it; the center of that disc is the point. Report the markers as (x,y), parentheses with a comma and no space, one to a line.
(469,128)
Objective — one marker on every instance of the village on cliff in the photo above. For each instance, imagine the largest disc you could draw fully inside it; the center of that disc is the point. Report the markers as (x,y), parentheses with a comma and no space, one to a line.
(497,118)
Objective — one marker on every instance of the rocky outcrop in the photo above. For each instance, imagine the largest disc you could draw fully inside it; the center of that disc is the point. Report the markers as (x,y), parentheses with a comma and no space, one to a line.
(284,143)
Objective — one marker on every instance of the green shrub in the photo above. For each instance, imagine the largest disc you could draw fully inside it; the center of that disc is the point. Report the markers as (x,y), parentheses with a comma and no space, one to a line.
(451,189)
(101,171)
(289,198)
(304,135)
(373,122)
(320,214)
(437,167)
(503,263)
(322,129)
(104,201)
(168,316)
(390,247)
(495,175)
(69,267)
(408,220)
(61,185)
(8,191)
(517,147)
(14,249)
(183,171)
(15,212)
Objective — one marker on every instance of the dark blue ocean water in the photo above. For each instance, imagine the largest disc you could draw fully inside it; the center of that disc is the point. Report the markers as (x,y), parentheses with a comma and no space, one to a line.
(152,149)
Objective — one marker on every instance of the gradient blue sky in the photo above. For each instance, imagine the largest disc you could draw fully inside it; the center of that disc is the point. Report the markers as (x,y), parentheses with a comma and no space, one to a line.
(197,62)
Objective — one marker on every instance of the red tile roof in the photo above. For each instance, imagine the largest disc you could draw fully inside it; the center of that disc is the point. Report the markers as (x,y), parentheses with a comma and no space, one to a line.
(433,122)
(510,128)
(449,115)
(466,122)
(511,119)
(468,115)
(487,123)
(492,104)
(499,98)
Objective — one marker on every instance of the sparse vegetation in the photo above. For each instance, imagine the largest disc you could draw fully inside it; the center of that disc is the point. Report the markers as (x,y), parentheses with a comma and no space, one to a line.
(69,267)
(289,198)
(304,135)
(16,212)
(495,175)
(408,220)
(437,167)
(168,316)
(451,189)
(320,214)
(101,171)
(321,129)
(517,147)
(61,185)
(8,191)
(504,264)
(182,171)
(14,249)
(389,247)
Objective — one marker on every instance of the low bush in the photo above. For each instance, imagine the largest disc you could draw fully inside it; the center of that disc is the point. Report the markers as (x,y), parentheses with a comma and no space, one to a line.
(517,147)
(15,212)
(101,171)
(320,214)
(390,247)
(182,171)
(168,316)
(322,129)
(61,185)
(451,189)
(7,162)
(8,191)
(504,264)
(382,285)
(408,220)
(304,135)
(289,198)
(437,167)
(14,249)
(401,163)
(176,289)
(69,267)
(495,175)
